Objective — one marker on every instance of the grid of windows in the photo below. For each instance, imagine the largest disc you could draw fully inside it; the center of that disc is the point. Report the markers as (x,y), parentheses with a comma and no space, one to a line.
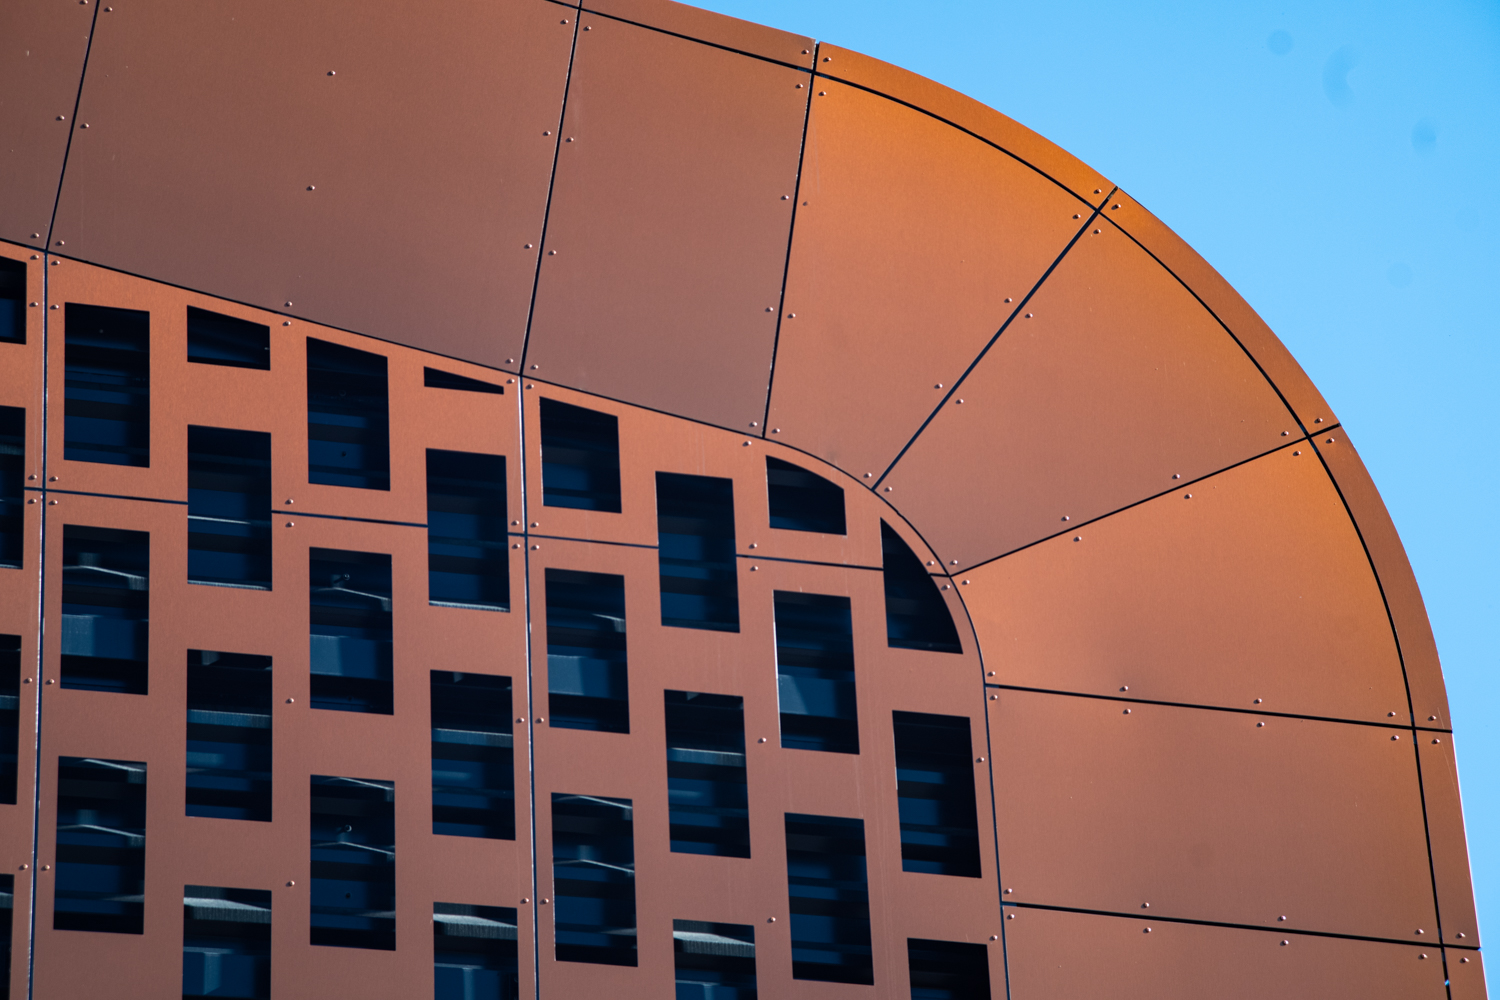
(236,708)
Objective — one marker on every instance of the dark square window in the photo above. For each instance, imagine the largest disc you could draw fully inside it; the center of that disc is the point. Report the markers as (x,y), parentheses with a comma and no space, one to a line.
(107,385)
(216,339)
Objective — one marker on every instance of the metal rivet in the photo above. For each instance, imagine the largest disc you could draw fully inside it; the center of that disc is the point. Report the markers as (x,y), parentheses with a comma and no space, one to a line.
(551,253)
(25,867)
(960,401)
(287,323)
(1077,538)
(1423,955)
(1260,725)
(26,681)
(1420,931)
(979,760)
(508,361)
(966,583)
(49,680)
(1296,453)
(61,118)
(868,475)
(1286,433)
(1257,701)
(1096,232)
(1065,517)
(1146,931)
(1009,300)
(312,187)
(540,719)
(1127,711)
(754,569)
(938,385)
(51,479)
(85,124)
(953,562)
(46,868)
(994,697)
(57,307)
(761,740)
(753,545)
(332,73)
(799,86)
(535,547)
(828,58)
(1098,190)
(947,587)
(588,27)
(791,315)
(1010,916)
(1395,737)
(568,139)
(1029,315)
(51,503)
(527,899)
(1187,496)
(289,884)
(770,920)
(1432,718)
(1284,942)
(536,524)
(1390,715)
(1329,441)
(530,386)
(291,701)
(994,937)
(775,430)
(1145,906)
(1318,421)
(1282,917)
(822,93)
(1124,687)
(1077,216)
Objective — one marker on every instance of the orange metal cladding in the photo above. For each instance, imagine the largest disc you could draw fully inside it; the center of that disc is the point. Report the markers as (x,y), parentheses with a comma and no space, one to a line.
(1112,379)
(42,48)
(380,166)
(666,241)
(1228,707)
(899,234)
(1058,954)
(1245,589)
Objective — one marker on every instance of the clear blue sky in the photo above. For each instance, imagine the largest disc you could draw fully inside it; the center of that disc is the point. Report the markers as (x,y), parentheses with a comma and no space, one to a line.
(1337,163)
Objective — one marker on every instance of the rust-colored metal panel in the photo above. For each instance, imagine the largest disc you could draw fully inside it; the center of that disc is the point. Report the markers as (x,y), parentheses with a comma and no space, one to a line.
(1424,674)
(1052,954)
(1113,381)
(42,50)
(706,26)
(312,136)
(1171,600)
(667,234)
(966,113)
(1209,815)
(1445,832)
(914,243)
(1227,305)
(1465,975)
(22,366)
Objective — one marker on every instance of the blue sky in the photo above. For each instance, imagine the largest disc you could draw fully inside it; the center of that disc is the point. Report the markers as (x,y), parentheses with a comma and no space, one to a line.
(1336,163)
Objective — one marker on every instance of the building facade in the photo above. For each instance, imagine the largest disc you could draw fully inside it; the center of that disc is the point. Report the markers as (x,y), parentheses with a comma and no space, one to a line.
(516,499)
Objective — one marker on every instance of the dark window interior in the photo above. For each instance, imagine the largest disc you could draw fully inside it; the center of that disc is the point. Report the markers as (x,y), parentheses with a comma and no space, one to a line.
(433,378)
(580,457)
(348,417)
(473,770)
(593,879)
(695,525)
(107,385)
(216,339)
(351,650)
(226,942)
(803,501)
(228,735)
(105,598)
(916,617)
(948,970)
(12,301)
(707,800)
(935,793)
(830,899)
(586,663)
(468,549)
(353,863)
(714,961)
(474,952)
(12,485)
(10,716)
(229,507)
(101,846)
(815,672)
(7,923)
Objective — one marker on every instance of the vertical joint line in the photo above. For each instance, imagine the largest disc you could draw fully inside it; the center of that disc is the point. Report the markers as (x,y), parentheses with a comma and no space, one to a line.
(541,245)
(536,930)
(1025,300)
(72,128)
(786,270)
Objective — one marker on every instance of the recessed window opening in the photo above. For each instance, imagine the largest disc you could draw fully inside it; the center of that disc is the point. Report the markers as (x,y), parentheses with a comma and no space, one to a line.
(468,550)
(101,846)
(473,768)
(12,301)
(105,605)
(353,892)
(228,735)
(803,501)
(10,717)
(593,879)
(216,339)
(12,486)
(474,952)
(433,378)
(7,924)
(916,616)
(580,457)
(714,961)
(229,508)
(707,797)
(695,525)
(935,794)
(815,672)
(351,642)
(226,942)
(107,385)
(830,899)
(587,681)
(348,417)
(948,970)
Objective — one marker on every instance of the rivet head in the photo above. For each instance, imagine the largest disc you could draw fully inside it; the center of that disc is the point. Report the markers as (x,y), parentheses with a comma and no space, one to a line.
(1395,737)
(994,937)
(332,73)
(291,701)
(994,697)
(761,740)
(312,187)
(770,920)
(290,884)
(979,760)
(1260,725)
(1284,942)
(46,868)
